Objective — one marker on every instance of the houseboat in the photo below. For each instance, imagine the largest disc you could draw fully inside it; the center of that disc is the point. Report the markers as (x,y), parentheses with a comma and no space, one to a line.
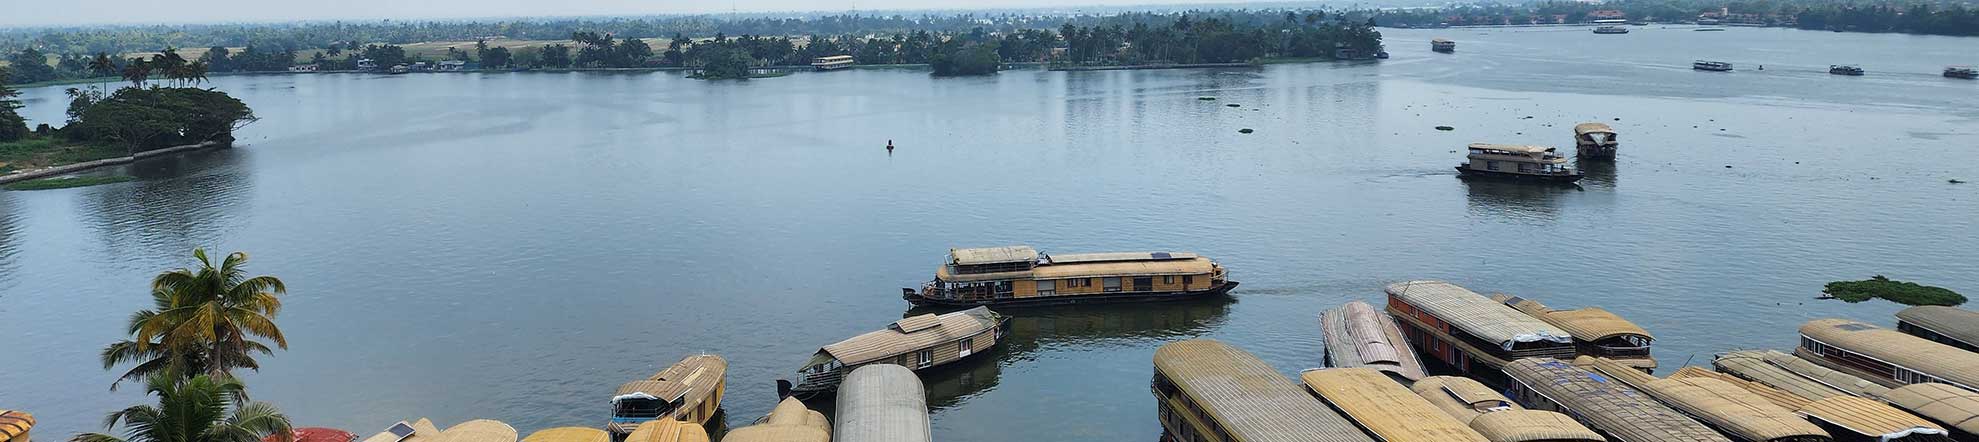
(1951,326)
(1885,356)
(1019,275)
(1774,395)
(1595,141)
(790,421)
(690,390)
(916,342)
(1208,390)
(1596,332)
(1853,419)
(1496,417)
(1716,66)
(1384,408)
(423,430)
(1469,332)
(1734,411)
(1357,335)
(1516,162)
(832,62)
(1603,404)
(1844,69)
(882,403)
(566,434)
(1961,72)
(15,426)
(398,69)
(1628,376)
(668,430)
(1443,45)
(1611,30)
(1794,375)
(1956,409)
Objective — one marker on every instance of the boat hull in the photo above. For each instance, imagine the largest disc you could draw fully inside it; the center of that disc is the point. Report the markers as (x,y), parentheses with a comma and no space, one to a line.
(1604,153)
(1712,68)
(1464,172)
(919,300)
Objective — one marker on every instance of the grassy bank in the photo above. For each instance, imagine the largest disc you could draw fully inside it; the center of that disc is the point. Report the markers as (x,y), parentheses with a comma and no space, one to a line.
(68,182)
(37,152)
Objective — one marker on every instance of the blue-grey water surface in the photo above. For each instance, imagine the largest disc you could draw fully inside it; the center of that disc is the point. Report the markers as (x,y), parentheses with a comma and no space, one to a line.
(514,245)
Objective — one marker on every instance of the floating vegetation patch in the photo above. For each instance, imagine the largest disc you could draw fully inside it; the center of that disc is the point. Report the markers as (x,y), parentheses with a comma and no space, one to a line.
(1908,293)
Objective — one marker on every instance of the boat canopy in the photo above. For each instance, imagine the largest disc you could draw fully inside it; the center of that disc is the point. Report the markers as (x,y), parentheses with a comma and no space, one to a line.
(423,430)
(882,403)
(1950,364)
(1384,407)
(1248,398)
(569,434)
(1757,366)
(1462,398)
(1589,324)
(1479,316)
(674,382)
(1095,269)
(1519,149)
(1868,418)
(1357,335)
(1952,322)
(1588,128)
(14,424)
(1533,426)
(1733,410)
(992,255)
(1955,407)
(668,430)
(1605,404)
(893,341)
(1068,258)
(478,430)
(790,421)
(1774,395)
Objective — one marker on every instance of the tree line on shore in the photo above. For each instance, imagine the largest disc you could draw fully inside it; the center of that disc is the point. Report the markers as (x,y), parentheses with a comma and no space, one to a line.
(1904,16)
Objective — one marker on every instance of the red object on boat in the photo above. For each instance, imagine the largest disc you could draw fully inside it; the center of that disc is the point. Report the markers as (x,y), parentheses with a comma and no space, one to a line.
(317,434)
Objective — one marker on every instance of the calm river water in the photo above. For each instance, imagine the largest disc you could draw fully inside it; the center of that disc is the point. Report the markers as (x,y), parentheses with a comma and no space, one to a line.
(513,246)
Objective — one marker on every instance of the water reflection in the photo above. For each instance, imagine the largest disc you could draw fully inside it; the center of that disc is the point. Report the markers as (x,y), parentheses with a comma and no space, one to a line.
(1514,199)
(9,241)
(1600,174)
(177,204)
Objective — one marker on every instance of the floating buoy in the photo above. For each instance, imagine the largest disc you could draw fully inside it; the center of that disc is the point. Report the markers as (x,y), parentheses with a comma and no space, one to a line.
(889,147)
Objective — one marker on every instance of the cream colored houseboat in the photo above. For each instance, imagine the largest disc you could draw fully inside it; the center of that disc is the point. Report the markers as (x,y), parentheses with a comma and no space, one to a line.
(690,390)
(1019,275)
(1595,141)
(1509,161)
(917,342)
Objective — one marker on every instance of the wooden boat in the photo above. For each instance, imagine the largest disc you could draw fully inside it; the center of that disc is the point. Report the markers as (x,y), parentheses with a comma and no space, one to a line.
(1203,387)
(667,430)
(1384,408)
(1734,411)
(1774,395)
(882,403)
(569,434)
(1951,326)
(478,430)
(1957,409)
(1596,332)
(1885,356)
(1843,69)
(1434,314)
(1961,72)
(690,390)
(1715,66)
(1019,275)
(1851,418)
(1517,162)
(918,342)
(1605,405)
(1357,335)
(1595,141)
(1611,30)
(790,421)
(1794,375)
(15,425)
(1442,45)
(1496,417)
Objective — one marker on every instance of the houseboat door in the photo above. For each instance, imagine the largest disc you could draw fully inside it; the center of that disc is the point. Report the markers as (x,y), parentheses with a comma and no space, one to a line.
(1143,284)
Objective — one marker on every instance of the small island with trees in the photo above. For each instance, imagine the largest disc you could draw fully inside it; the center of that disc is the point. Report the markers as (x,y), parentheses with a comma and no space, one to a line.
(107,126)
(1907,293)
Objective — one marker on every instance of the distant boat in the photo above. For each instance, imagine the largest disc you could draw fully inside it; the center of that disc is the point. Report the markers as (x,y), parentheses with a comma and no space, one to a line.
(1708,29)
(1443,45)
(1843,69)
(1715,66)
(1611,30)
(1517,162)
(1381,55)
(1964,72)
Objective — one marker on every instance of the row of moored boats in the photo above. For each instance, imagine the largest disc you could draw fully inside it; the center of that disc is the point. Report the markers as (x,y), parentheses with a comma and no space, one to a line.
(1964,72)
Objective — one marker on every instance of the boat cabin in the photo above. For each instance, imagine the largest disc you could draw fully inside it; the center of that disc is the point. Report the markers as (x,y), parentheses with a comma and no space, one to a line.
(916,342)
(1020,275)
(1961,72)
(832,62)
(1595,141)
(1517,162)
(1843,69)
(1596,332)
(1470,333)
(1443,45)
(1885,356)
(1951,326)
(1707,65)
(690,390)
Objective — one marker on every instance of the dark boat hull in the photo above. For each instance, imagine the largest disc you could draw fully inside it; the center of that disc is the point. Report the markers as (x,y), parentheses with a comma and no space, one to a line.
(1606,153)
(1511,176)
(1074,299)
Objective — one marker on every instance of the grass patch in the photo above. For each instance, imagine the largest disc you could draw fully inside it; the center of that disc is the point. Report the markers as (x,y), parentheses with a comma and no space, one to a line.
(1908,293)
(64,183)
(37,152)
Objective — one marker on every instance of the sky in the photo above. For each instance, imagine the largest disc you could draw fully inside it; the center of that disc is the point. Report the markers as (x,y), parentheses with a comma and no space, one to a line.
(86,12)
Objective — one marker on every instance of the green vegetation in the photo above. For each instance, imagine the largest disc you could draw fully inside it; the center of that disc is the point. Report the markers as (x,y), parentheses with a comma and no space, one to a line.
(203,322)
(965,59)
(64,183)
(1907,293)
(12,126)
(201,408)
(725,64)
(1210,38)
(147,119)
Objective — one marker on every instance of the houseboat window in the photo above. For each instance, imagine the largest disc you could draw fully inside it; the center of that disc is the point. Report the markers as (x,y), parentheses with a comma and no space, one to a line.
(925,358)
(1004,287)
(1492,165)
(1525,167)
(1188,279)
(1080,282)
(964,348)
(1170,279)
(1111,284)
(1047,287)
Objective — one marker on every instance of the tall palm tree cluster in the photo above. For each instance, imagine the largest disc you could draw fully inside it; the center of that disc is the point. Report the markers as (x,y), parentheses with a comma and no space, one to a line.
(204,323)
(175,68)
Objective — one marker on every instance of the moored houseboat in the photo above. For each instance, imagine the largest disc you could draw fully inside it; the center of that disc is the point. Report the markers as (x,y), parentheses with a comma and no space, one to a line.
(1595,141)
(1496,417)
(1845,69)
(832,62)
(1471,333)
(1596,332)
(1951,326)
(1774,395)
(1611,30)
(569,434)
(1443,45)
(1617,411)
(882,403)
(1384,408)
(1885,356)
(1961,72)
(1714,66)
(1854,419)
(1794,375)
(1734,411)
(423,430)
(1357,335)
(667,430)
(1517,162)
(1957,409)
(690,390)
(1208,390)
(1019,275)
(916,342)
(790,421)
(15,426)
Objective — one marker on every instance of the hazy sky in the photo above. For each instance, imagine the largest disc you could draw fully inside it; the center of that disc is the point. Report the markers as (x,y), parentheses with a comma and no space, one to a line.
(74,12)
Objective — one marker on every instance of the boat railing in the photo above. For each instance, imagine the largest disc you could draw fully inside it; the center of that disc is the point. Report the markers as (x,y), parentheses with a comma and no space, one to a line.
(824,378)
(1621,350)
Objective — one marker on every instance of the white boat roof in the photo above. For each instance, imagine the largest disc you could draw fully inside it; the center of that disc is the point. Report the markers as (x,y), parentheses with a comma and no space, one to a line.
(1514,148)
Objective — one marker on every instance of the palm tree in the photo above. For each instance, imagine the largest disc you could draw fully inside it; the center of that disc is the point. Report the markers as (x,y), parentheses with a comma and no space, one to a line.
(202,322)
(102,66)
(137,71)
(200,409)
(196,71)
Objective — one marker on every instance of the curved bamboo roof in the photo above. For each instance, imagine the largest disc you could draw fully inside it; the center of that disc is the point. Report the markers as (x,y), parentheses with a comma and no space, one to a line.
(882,403)
(478,430)
(14,424)
(1952,406)
(1756,366)
(1585,128)
(950,327)
(1586,324)
(1253,401)
(1950,364)
(1385,408)
(1532,426)
(992,255)
(668,430)
(1615,370)
(698,373)
(1513,148)
(1607,405)
(1475,314)
(1776,396)
(1847,383)
(1461,398)
(569,434)
(789,422)
(1358,335)
(422,431)
(1733,410)
(1953,322)
(1868,418)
